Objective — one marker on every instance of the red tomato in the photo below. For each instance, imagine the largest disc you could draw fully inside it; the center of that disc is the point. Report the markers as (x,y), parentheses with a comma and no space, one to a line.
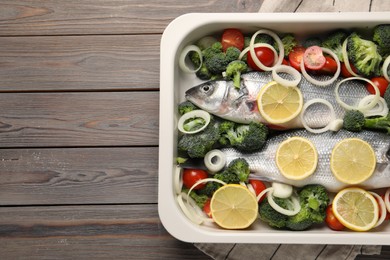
(313,58)
(191,176)
(345,73)
(330,66)
(206,208)
(232,37)
(380,82)
(332,221)
(295,57)
(285,62)
(258,186)
(264,54)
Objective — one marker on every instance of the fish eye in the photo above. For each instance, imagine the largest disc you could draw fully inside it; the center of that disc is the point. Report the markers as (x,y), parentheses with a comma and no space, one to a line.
(206,88)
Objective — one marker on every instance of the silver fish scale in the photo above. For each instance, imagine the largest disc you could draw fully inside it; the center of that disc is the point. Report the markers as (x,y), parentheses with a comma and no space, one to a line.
(263,162)
(317,115)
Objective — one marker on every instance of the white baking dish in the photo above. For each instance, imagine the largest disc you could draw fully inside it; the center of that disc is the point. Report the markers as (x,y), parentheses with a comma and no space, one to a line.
(173,83)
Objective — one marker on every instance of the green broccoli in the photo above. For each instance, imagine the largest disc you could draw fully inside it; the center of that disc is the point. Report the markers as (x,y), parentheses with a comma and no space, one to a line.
(234,70)
(272,217)
(198,198)
(334,41)
(313,200)
(210,187)
(386,96)
(240,167)
(355,121)
(382,37)
(216,61)
(227,177)
(289,42)
(193,124)
(198,144)
(364,55)
(185,107)
(311,41)
(245,137)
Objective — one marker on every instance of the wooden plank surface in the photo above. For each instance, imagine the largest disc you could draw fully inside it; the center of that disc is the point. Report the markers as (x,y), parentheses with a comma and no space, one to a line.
(71,17)
(77,176)
(79,63)
(79,119)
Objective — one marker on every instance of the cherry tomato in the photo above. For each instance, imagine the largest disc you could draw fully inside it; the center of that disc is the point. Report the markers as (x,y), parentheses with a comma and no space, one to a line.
(232,37)
(345,73)
(313,58)
(285,62)
(264,54)
(295,57)
(330,66)
(191,176)
(258,186)
(332,221)
(206,208)
(380,82)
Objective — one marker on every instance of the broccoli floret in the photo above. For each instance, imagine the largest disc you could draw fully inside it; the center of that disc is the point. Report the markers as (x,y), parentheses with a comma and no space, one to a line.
(209,188)
(240,167)
(245,137)
(199,199)
(386,96)
(216,61)
(355,121)
(313,200)
(272,217)
(312,41)
(289,42)
(234,71)
(364,55)
(193,124)
(227,177)
(185,107)
(382,35)
(334,41)
(198,144)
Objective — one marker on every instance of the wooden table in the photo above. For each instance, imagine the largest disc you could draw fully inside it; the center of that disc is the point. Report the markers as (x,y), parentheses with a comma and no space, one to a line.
(79,102)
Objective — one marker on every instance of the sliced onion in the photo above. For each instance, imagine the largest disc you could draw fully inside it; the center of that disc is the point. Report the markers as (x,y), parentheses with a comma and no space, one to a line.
(183,55)
(380,109)
(361,108)
(387,199)
(385,66)
(289,70)
(336,125)
(178,180)
(260,44)
(382,207)
(287,212)
(186,211)
(346,60)
(326,82)
(251,189)
(252,49)
(215,160)
(332,114)
(193,114)
(261,194)
(282,190)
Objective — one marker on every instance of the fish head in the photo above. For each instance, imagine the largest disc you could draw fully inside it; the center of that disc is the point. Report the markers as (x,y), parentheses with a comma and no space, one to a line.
(208,96)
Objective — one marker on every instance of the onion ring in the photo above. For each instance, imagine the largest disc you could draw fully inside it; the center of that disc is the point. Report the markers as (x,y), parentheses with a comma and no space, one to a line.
(326,82)
(260,44)
(380,110)
(215,160)
(261,194)
(287,212)
(253,54)
(382,208)
(289,70)
(332,114)
(186,211)
(183,55)
(385,66)
(193,114)
(346,60)
(361,108)
(178,180)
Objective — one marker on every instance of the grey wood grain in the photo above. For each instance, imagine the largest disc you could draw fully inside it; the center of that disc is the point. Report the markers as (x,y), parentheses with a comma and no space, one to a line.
(57,17)
(79,119)
(78,176)
(126,62)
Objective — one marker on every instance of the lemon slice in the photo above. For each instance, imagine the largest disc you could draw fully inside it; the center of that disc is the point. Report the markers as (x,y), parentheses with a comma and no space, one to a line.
(356,209)
(234,207)
(352,161)
(278,103)
(296,158)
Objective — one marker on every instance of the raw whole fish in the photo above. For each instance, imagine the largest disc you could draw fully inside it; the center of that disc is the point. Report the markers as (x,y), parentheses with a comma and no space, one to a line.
(263,165)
